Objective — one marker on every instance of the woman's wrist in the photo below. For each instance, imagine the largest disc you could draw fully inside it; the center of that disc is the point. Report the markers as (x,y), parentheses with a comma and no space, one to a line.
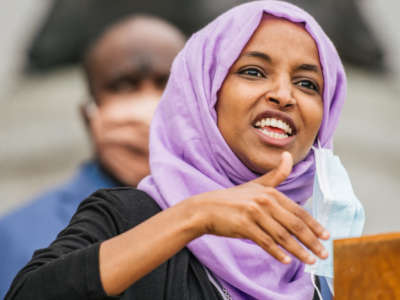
(194,216)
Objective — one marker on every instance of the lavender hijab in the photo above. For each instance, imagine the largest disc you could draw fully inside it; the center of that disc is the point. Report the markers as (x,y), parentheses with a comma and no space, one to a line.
(188,154)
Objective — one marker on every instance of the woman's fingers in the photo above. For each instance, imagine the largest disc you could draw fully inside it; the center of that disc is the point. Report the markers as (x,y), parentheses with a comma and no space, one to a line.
(290,219)
(269,235)
(281,225)
(277,175)
(276,221)
(297,227)
(294,218)
(259,236)
(277,229)
(285,239)
(302,214)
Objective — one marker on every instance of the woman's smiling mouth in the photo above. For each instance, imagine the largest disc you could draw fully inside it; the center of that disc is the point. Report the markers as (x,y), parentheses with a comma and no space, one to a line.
(275,128)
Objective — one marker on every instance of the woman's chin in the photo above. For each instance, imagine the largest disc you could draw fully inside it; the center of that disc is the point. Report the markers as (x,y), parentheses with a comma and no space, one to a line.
(263,166)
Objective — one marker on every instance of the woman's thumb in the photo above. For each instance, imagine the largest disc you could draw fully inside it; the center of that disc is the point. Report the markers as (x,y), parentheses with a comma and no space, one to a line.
(278,174)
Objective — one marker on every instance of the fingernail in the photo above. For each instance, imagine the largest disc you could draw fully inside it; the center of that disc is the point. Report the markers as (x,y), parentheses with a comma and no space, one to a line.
(325,234)
(324,253)
(286,259)
(311,259)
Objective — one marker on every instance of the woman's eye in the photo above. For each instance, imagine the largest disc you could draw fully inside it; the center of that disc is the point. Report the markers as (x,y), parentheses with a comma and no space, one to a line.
(308,85)
(252,72)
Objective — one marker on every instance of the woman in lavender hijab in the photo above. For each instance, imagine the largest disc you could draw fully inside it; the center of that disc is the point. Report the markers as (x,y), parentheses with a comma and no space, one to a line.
(231,166)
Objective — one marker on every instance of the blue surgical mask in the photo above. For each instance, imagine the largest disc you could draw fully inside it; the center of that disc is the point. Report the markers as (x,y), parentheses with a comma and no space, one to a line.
(334,206)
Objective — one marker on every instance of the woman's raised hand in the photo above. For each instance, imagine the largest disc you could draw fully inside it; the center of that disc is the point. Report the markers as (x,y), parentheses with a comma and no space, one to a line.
(259,212)
(254,210)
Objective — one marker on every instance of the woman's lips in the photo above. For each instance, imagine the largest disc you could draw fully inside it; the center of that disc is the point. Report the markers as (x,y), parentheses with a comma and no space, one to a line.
(275,128)
(273,137)
(276,120)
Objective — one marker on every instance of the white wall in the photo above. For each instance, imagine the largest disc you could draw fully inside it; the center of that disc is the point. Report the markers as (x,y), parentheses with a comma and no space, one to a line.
(18,19)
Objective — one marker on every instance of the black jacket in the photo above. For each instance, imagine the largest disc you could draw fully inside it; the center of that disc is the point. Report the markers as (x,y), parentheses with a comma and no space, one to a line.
(69,269)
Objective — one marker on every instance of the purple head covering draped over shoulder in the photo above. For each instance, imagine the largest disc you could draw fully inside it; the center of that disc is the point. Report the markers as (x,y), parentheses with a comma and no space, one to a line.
(188,154)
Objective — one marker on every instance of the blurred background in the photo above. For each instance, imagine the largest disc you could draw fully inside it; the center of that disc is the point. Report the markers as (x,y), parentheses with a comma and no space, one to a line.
(42,139)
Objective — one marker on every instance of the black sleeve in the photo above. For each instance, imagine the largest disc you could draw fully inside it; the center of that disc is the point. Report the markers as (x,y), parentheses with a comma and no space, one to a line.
(69,268)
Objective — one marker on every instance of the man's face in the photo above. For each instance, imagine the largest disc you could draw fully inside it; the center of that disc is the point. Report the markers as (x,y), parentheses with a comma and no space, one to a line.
(120,129)
(129,76)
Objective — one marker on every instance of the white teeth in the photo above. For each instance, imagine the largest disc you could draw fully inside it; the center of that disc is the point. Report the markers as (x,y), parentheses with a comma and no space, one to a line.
(274,135)
(274,123)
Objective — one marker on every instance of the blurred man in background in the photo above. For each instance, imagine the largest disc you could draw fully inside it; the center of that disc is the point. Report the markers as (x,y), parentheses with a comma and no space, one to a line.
(126,69)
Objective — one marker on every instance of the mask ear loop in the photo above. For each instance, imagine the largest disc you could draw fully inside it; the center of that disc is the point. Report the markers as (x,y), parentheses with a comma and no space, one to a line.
(315,286)
(318,146)
(311,273)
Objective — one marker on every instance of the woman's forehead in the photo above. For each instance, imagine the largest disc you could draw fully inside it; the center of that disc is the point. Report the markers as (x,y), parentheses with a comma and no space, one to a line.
(281,34)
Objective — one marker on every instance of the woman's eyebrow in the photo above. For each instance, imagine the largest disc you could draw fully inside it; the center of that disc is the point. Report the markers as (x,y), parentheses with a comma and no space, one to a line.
(267,58)
(309,67)
(259,55)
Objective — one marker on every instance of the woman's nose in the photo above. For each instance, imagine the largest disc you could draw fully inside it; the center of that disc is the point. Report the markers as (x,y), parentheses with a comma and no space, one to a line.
(281,93)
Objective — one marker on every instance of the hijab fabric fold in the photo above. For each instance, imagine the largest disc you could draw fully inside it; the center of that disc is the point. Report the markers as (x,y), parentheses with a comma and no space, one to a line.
(188,154)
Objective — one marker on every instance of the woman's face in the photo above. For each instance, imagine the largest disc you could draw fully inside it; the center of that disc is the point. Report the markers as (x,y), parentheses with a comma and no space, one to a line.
(271,99)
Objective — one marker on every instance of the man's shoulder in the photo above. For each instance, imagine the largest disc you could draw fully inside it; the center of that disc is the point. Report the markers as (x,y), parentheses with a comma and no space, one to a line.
(52,208)
(37,206)
(24,230)
(59,201)
(44,204)
(34,220)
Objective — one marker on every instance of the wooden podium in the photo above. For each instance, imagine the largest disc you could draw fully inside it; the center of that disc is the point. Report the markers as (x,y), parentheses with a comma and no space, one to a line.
(367,267)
